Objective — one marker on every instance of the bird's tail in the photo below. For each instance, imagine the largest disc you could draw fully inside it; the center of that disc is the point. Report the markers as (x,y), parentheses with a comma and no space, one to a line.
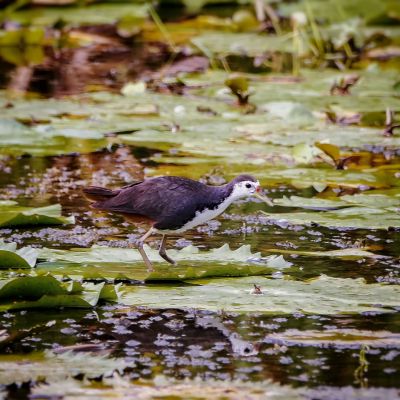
(96,193)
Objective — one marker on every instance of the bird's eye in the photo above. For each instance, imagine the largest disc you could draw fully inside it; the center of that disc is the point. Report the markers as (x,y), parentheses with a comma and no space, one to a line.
(248,185)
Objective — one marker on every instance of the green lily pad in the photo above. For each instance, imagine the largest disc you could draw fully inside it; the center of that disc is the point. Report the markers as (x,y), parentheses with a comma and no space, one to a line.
(11,214)
(335,337)
(350,217)
(366,200)
(47,292)
(346,254)
(323,176)
(324,295)
(10,257)
(112,263)
(44,139)
(249,44)
(30,287)
(90,14)
(340,10)
(207,125)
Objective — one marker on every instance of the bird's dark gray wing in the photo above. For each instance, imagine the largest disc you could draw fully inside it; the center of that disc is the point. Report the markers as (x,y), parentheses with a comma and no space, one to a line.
(169,202)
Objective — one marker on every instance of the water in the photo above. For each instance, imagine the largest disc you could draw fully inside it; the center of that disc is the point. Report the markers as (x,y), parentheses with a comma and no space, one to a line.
(187,343)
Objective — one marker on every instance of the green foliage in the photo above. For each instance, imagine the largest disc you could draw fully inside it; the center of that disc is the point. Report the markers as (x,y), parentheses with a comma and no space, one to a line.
(47,292)
(91,14)
(10,257)
(364,211)
(11,214)
(119,263)
(324,295)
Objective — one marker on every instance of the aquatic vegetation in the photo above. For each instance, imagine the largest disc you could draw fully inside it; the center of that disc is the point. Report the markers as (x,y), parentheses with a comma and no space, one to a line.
(304,301)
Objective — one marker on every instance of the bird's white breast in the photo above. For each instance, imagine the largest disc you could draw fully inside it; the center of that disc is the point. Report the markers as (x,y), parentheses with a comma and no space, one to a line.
(204,216)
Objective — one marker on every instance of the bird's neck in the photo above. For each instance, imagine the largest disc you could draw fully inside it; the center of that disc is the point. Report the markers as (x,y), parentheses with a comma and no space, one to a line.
(226,193)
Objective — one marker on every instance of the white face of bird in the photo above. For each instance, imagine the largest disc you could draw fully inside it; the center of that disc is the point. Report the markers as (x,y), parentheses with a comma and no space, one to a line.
(245,189)
(249,188)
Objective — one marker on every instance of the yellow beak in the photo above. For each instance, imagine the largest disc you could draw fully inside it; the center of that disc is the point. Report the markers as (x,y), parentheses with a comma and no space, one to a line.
(265,199)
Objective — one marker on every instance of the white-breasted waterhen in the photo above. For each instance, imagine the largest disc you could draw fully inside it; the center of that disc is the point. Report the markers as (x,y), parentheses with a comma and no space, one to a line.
(171,204)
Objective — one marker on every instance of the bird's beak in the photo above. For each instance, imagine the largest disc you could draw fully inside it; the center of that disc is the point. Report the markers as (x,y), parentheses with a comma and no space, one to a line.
(265,199)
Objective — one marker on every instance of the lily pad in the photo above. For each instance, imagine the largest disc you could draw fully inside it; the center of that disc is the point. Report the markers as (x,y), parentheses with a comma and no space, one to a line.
(346,254)
(112,263)
(351,217)
(323,176)
(10,257)
(90,14)
(381,201)
(11,214)
(245,44)
(324,295)
(339,338)
(44,139)
(47,292)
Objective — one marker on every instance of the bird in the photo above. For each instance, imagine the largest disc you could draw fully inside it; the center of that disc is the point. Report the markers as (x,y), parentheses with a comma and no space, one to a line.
(171,204)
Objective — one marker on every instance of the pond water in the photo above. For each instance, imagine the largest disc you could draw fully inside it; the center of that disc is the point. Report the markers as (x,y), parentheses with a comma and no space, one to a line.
(304,302)
(297,349)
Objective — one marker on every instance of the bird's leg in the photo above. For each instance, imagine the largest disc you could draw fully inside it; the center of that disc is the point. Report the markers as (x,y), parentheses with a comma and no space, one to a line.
(163,253)
(140,244)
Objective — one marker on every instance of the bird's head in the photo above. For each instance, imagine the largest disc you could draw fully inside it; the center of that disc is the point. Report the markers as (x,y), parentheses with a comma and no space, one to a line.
(245,186)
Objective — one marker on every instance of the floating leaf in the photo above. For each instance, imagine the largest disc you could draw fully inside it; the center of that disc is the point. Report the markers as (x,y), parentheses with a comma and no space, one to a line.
(12,214)
(374,211)
(366,200)
(338,338)
(10,257)
(90,14)
(30,287)
(351,217)
(47,292)
(324,295)
(346,254)
(244,44)
(111,263)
